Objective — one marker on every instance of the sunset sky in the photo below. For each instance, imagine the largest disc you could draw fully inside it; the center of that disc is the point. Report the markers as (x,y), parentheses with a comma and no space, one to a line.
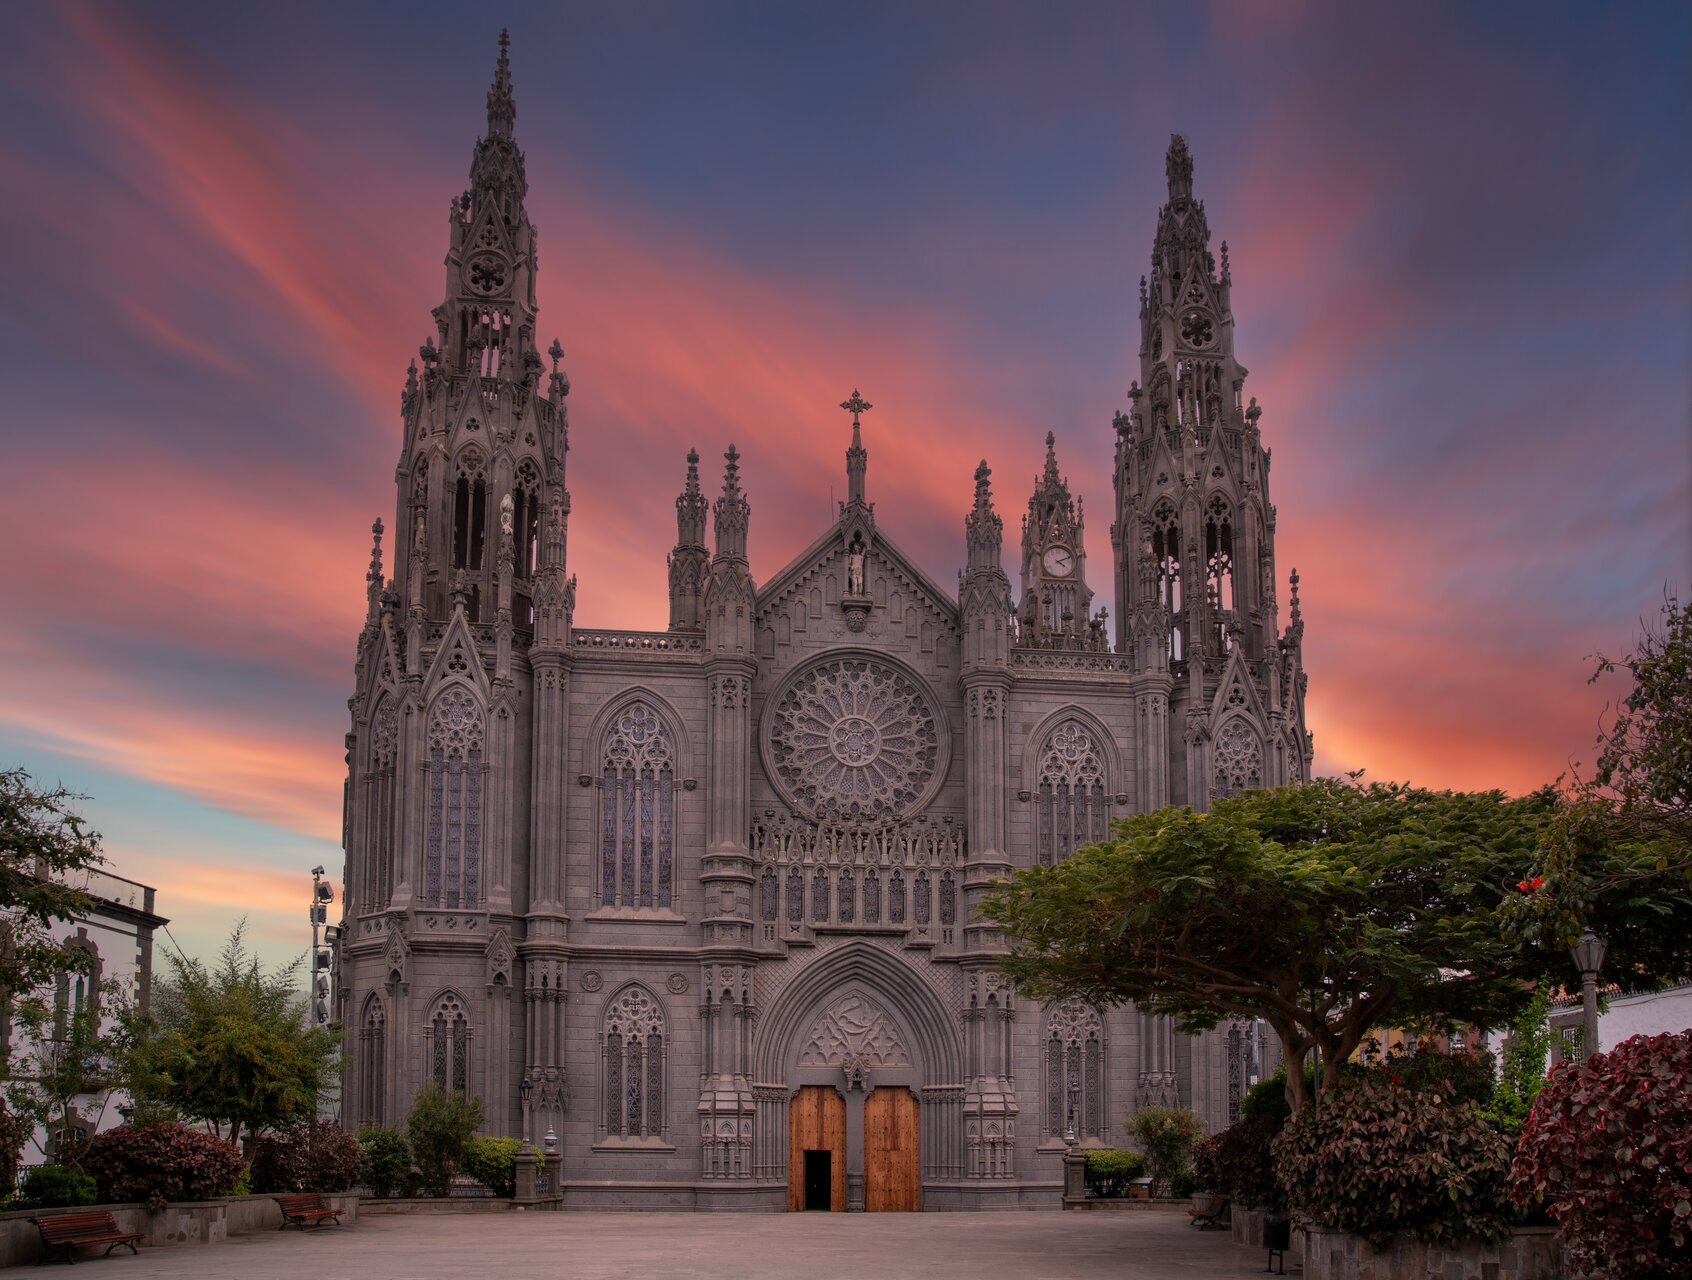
(1459,240)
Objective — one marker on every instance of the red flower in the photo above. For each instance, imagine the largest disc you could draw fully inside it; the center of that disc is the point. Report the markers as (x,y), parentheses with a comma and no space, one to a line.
(1531,884)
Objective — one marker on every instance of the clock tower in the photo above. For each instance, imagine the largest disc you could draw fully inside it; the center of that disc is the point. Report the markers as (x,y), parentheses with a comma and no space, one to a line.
(1055,596)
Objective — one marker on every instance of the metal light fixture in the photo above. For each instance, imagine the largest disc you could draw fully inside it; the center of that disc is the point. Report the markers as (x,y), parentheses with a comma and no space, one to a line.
(525,1091)
(1074,1098)
(1588,957)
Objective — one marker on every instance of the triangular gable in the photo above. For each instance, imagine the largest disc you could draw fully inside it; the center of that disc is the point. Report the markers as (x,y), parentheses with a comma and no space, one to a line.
(456,659)
(1236,693)
(829,551)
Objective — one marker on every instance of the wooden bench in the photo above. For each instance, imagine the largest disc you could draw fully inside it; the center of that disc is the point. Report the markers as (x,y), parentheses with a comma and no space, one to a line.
(63,1232)
(309,1207)
(1207,1210)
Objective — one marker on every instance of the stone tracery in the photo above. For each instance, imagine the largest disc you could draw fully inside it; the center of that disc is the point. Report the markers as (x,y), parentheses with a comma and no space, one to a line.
(1238,756)
(854,739)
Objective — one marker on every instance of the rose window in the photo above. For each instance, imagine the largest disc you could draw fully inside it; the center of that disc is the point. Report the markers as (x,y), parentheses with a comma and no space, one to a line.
(854,739)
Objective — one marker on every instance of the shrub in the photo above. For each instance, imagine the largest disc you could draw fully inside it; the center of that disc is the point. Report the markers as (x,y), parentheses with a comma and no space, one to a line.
(1109,1171)
(1167,1135)
(1378,1157)
(493,1163)
(306,1157)
(387,1159)
(161,1162)
(55,1186)
(13,1135)
(1522,1074)
(1267,1099)
(1184,1183)
(441,1122)
(1239,1163)
(1471,1075)
(1608,1150)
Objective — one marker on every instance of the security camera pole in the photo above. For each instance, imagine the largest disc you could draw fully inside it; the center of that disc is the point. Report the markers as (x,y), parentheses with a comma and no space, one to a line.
(322,934)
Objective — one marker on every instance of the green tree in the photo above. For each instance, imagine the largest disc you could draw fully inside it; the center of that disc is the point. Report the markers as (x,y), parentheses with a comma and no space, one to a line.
(441,1122)
(1617,856)
(43,845)
(1166,1134)
(232,1045)
(71,1049)
(1326,909)
(1521,1073)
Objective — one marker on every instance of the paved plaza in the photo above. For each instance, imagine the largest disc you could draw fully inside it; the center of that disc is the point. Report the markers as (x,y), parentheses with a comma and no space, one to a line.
(1153,1245)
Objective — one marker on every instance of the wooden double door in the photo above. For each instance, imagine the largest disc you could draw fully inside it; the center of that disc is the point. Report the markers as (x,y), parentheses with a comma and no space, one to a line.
(817,1122)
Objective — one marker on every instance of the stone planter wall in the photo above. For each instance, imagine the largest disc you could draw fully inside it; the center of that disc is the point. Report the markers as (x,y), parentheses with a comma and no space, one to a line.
(187,1222)
(1532,1253)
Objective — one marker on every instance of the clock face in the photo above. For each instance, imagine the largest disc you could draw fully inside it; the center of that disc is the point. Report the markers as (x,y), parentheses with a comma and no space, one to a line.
(1058,561)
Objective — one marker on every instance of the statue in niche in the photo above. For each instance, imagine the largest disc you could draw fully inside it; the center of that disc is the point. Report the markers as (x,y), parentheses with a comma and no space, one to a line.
(855,567)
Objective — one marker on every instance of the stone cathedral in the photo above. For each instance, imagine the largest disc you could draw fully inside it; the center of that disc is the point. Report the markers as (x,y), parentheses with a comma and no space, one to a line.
(701,903)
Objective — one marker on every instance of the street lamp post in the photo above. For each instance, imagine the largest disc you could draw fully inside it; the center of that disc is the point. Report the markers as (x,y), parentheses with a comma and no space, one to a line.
(525,1090)
(1588,957)
(1074,1099)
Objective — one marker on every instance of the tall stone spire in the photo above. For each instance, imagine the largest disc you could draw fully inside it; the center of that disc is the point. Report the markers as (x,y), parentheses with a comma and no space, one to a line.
(689,562)
(502,108)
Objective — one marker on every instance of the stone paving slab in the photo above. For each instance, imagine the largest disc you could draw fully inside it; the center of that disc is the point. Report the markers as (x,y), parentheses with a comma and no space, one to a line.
(714,1246)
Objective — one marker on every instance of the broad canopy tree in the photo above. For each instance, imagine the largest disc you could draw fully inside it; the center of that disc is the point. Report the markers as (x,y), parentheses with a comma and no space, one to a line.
(1326,909)
(1617,855)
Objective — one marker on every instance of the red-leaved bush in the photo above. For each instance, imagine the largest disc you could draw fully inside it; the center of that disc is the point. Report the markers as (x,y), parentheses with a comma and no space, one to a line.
(306,1157)
(1607,1149)
(1239,1163)
(1374,1158)
(157,1163)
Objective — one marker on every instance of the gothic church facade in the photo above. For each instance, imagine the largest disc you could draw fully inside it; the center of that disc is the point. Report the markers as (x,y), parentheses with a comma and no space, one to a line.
(701,903)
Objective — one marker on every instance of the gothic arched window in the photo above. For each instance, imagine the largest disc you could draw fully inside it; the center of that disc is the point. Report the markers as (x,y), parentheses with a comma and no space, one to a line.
(1075,1071)
(372,1059)
(1071,793)
(469,512)
(795,894)
(449,1045)
(633,1066)
(896,898)
(452,873)
(637,819)
(948,899)
(769,894)
(1237,757)
(872,896)
(924,901)
(525,520)
(378,878)
(1166,555)
(848,896)
(1219,564)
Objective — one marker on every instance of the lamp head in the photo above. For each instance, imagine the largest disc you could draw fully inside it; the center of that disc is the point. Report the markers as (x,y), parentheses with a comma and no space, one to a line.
(1588,953)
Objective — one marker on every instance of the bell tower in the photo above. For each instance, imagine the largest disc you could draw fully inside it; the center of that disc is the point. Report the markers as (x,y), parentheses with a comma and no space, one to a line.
(483,448)
(1194,533)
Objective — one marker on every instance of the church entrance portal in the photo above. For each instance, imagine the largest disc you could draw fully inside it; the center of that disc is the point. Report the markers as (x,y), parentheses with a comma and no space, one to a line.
(818,1122)
(816,1127)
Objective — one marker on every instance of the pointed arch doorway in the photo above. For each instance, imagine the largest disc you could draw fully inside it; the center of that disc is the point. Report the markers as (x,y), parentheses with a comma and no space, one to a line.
(821,1126)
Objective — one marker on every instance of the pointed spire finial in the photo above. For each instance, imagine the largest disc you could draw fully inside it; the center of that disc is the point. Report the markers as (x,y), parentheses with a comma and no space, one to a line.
(1178,166)
(692,471)
(502,109)
(731,472)
(856,405)
(857,457)
(983,487)
(1051,475)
